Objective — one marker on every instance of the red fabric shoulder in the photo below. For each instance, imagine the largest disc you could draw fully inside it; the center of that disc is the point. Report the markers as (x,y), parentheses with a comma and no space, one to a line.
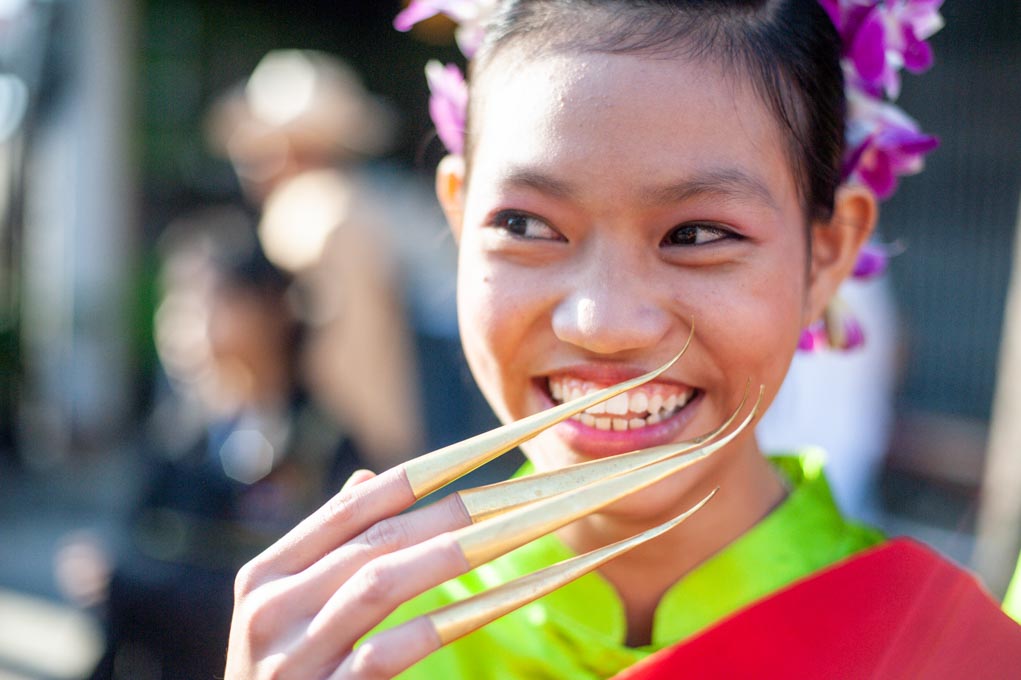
(895,611)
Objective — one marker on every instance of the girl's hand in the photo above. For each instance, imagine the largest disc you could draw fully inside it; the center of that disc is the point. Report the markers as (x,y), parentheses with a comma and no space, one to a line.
(300,606)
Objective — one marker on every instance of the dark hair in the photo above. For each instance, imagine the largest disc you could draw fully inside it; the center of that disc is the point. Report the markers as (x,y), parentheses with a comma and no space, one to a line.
(789,49)
(224,237)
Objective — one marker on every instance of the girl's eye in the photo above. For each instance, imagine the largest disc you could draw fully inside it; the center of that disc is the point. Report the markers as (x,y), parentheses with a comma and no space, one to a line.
(697,234)
(525,226)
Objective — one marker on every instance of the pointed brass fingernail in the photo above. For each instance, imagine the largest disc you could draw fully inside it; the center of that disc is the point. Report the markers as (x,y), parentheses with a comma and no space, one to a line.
(504,532)
(437,469)
(488,501)
(459,619)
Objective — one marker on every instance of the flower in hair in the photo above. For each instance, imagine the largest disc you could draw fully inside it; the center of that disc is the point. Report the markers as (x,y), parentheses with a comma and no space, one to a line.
(448,103)
(873,259)
(470,15)
(883,144)
(881,37)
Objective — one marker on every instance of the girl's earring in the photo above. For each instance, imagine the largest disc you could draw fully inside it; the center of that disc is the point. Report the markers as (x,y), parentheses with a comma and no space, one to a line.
(838,329)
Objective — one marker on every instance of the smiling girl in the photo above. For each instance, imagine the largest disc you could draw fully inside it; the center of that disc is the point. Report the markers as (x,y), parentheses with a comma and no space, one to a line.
(628,168)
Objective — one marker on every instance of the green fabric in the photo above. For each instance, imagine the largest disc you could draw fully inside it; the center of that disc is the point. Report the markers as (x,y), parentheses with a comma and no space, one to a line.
(1012,601)
(579,630)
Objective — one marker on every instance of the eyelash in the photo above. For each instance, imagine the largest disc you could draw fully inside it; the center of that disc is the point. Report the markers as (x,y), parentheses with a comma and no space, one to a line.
(503,221)
(720,233)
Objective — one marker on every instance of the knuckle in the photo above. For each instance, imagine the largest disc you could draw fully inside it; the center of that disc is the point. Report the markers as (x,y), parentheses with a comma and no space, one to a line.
(376,582)
(343,508)
(387,535)
(248,578)
(370,661)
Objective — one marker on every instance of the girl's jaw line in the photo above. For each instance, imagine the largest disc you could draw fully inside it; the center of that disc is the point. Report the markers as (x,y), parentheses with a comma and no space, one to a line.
(650,415)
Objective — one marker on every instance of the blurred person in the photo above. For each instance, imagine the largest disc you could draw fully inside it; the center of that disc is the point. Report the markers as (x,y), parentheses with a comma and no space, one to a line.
(297,132)
(238,451)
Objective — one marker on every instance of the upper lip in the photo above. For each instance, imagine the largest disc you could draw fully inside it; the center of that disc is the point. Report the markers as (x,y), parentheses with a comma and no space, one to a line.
(610,374)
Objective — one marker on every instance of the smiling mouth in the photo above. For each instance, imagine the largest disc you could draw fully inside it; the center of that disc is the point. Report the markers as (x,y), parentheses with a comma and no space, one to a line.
(636,408)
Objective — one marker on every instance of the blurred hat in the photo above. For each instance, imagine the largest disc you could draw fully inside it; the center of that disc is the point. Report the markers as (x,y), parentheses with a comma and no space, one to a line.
(309,101)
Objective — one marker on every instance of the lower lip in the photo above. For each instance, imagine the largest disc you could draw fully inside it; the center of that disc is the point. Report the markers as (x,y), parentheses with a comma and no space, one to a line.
(594,443)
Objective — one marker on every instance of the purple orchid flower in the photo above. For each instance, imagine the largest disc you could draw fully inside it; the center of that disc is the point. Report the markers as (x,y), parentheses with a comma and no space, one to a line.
(884,143)
(882,37)
(448,103)
(853,334)
(840,331)
(872,261)
(470,15)
(813,338)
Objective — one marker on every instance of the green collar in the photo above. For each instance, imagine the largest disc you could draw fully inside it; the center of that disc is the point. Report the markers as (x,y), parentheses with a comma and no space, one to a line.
(803,534)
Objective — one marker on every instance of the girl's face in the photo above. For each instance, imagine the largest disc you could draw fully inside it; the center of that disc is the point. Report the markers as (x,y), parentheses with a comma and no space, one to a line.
(613,200)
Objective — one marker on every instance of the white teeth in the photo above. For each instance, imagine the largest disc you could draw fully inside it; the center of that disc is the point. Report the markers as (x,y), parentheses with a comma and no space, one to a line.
(556,390)
(617,405)
(629,411)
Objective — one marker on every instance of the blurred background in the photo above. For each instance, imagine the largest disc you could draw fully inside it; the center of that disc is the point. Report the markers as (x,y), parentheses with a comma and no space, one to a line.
(194,194)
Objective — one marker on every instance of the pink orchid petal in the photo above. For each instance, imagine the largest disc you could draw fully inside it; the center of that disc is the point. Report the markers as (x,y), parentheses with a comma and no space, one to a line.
(877,173)
(854,334)
(868,49)
(813,338)
(418,10)
(923,17)
(448,103)
(917,54)
(854,157)
(872,262)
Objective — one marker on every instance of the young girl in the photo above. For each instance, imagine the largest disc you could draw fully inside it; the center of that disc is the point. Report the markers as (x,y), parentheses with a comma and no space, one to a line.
(629,168)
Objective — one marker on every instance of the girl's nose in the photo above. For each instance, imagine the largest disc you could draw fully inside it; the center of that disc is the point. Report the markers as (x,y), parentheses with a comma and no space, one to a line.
(611,309)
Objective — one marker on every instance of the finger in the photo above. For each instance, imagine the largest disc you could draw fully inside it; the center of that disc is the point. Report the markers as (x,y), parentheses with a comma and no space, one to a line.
(375,591)
(357,477)
(353,510)
(388,653)
(318,583)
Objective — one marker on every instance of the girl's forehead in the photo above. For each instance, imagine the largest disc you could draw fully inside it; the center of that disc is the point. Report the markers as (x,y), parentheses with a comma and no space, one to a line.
(639,119)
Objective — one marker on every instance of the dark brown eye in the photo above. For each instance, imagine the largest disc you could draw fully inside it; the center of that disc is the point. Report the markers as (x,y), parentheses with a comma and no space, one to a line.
(696,235)
(524,225)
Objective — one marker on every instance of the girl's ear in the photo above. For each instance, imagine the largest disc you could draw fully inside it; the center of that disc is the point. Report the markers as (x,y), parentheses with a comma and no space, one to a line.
(450,192)
(835,245)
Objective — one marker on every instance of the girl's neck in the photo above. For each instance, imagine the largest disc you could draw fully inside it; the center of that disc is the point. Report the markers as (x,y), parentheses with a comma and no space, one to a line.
(749,490)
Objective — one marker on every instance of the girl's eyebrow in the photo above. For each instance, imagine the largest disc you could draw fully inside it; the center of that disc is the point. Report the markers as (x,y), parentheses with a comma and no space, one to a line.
(727,183)
(731,183)
(541,182)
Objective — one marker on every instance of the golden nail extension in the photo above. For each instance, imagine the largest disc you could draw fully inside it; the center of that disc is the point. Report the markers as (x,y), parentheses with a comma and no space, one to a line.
(459,619)
(437,469)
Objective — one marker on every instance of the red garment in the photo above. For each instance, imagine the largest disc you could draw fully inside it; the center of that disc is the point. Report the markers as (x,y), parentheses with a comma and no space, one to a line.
(896,611)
